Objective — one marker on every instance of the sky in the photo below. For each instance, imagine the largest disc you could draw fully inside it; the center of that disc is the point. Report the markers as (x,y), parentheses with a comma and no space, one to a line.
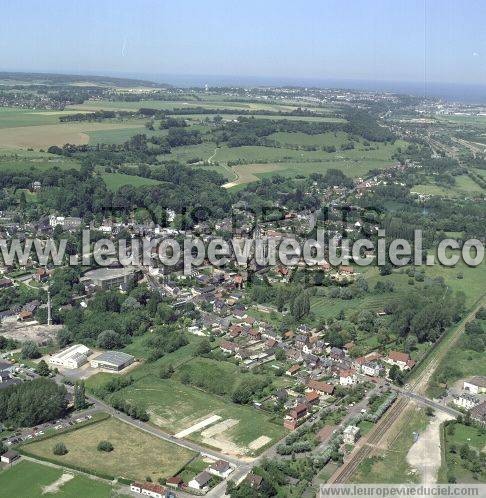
(376,40)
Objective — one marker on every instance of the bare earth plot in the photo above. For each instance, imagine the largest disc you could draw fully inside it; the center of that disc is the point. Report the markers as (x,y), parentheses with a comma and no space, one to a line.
(425,454)
(43,136)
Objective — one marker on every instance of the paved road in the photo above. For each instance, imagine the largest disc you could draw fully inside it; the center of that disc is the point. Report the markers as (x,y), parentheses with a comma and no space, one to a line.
(426,401)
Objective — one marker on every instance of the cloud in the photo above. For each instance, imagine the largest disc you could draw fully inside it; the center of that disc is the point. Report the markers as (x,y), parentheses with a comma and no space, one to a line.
(475,54)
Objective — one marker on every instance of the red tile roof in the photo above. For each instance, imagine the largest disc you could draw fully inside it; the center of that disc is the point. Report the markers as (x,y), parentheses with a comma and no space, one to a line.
(322,387)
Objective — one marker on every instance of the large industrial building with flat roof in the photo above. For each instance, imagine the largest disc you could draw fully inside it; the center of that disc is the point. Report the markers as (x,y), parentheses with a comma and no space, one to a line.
(112,360)
(73,357)
(109,278)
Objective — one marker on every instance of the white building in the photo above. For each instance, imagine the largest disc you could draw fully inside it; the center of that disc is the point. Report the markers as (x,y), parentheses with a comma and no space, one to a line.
(348,378)
(68,222)
(372,369)
(351,434)
(466,401)
(401,360)
(72,357)
(148,489)
(221,468)
(201,481)
(476,385)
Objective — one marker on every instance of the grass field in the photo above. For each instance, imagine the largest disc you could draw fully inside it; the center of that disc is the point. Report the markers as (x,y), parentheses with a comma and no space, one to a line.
(28,480)
(454,465)
(136,454)
(463,187)
(323,139)
(472,284)
(43,136)
(121,134)
(28,160)
(116,180)
(269,161)
(174,407)
(11,117)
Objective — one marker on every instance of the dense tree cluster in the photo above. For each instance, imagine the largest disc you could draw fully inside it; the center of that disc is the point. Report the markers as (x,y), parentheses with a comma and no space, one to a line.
(32,403)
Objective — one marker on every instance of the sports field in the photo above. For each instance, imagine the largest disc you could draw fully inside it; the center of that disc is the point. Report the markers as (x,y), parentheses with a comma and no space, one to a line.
(136,454)
(28,479)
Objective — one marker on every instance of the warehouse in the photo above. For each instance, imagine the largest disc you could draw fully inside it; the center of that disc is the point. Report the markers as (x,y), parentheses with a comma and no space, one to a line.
(112,360)
(109,278)
(72,357)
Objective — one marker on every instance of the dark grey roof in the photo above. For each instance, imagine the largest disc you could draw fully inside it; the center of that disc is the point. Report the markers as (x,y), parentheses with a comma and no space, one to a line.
(115,357)
(203,478)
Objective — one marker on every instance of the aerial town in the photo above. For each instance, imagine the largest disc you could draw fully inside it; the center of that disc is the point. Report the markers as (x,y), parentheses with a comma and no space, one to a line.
(238,288)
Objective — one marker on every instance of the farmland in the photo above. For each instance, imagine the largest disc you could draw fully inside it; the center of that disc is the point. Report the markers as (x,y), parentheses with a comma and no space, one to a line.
(43,136)
(190,102)
(292,154)
(32,480)
(136,454)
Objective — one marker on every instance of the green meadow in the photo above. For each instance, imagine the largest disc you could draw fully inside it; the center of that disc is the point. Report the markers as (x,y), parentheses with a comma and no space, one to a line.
(28,479)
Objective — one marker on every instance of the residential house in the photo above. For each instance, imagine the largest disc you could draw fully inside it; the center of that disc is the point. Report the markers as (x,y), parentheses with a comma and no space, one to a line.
(201,481)
(372,368)
(478,413)
(235,330)
(254,481)
(292,370)
(321,387)
(337,354)
(221,468)
(9,456)
(175,482)
(271,343)
(312,398)
(348,377)
(402,360)
(346,270)
(41,275)
(148,489)
(228,347)
(239,314)
(254,334)
(295,416)
(319,346)
(5,282)
(350,434)
(311,360)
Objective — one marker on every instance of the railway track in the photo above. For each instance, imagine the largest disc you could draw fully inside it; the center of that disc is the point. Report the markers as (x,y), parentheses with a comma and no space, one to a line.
(418,384)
